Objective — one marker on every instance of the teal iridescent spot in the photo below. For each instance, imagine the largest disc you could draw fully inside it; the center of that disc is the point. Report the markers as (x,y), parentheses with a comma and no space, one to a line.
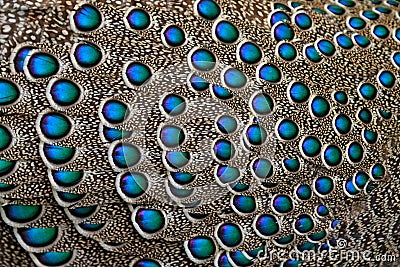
(6,167)
(198,83)
(146,263)
(171,136)
(22,213)
(322,210)
(282,204)
(396,34)
(267,225)
(387,115)
(342,124)
(262,168)
(387,79)
(244,204)
(87,55)
(347,3)
(227,174)
(42,65)
(298,92)
(362,41)
(87,18)
(125,155)
(287,51)
(208,9)
(91,227)
(287,130)
(326,47)
(66,178)
(83,212)
(227,124)
(319,107)
(303,192)
(256,134)
(226,32)
(58,154)
(9,92)
(378,171)
(115,111)
(311,53)
(360,180)
(286,240)
(357,23)
(395,60)
(368,91)
(370,137)
(55,125)
(53,258)
(180,192)
(355,152)
(182,178)
(229,235)
(221,92)
(344,41)
(203,60)
(234,78)
(316,237)
(200,247)
(369,14)
(324,185)
(336,10)
(383,10)
(150,221)
(133,184)
(70,197)
(303,21)
(64,92)
(177,159)
(262,104)
(304,224)
(311,146)
(365,115)
(350,188)
(341,97)
(332,155)
(381,31)
(173,105)
(6,138)
(291,164)
(270,73)
(138,19)
(250,53)
(279,16)
(138,73)
(224,150)
(282,31)
(174,36)
(38,237)
(6,187)
(20,57)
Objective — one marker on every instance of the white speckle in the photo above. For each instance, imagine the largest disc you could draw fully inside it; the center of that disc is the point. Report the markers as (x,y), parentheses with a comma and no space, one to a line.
(6,28)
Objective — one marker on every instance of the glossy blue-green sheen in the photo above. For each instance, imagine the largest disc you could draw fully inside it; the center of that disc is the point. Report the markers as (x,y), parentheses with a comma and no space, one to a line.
(224,150)
(38,237)
(381,31)
(171,136)
(146,263)
(262,104)
(177,159)
(357,23)
(333,155)
(112,134)
(203,60)
(336,10)
(87,18)
(270,73)
(395,58)
(378,171)
(322,210)
(262,168)
(360,179)
(226,32)
(287,51)
(138,19)
(324,185)
(87,55)
(235,79)
(244,204)
(303,21)
(312,54)
(304,192)
(125,155)
(58,154)
(282,203)
(387,79)
(9,92)
(91,227)
(250,53)
(283,31)
(320,107)
(198,83)
(133,184)
(369,14)
(173,104)
(355,152)
(285,240)
(67,178)
(227,124)
(174,36)
(326,47)
(70,197)
(344,41)
(230,234)
(55,125)
(299,92)
(150,220)
(368,91)
(201,247)
(341,97)
(53,258)
(138,73)
(83,212)
(287,130)
(370,137)
(42,65)
(22,213)
(256,134)
(304,223)
(279,16)
(311,146)
(362,41)
(267,225)
(227,174)
(342,124)
(350,187)
(64,92)
(6,167)
(20,57)
(365,115)
(5,138)
(208,9)
(291,164)
(182,178)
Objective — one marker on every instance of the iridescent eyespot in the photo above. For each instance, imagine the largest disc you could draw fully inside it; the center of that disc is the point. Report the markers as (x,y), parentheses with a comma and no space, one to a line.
(261,104)
(325,47)
(323,186)
(137,19)
(171,136)
(225,32)
(356,23)
(355,152)
(124,155)
(312,54)
(368,91)
(347,3)
(364,115)
(298,92)
(270,73)
(41,65)
(369,14)
(114,111)
(286,51)
(142,217)
(342,124)
(395,59)
(303,224)
(266,225)
(282,204)
(319,107)
(86,18)
(303,21)
(341,97)
(303,192)
(344,41)
(249,52)
(380,31)
(86,55)
(201,59)
(173,105)
(262,168)
(335,10)
(173,36)
(207,9)
(200,248)
(234,79)
(255,134)
(277,16)
(282,31)
(63,93)
(310,146)
(361,40)
(54,126)
(287,130)
(332,156)
(9,92)
(137,74)
(224,150)
(386,79)
(18,57)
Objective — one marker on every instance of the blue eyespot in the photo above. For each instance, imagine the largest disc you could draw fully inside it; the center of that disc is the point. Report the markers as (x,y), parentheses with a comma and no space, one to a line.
(380,31)
(226,32)
(87,55)
(356,23)
(9,92)
(173,36)
(138,19)
(64,92)
(138,73)
(115,111)
(173,105)
(303,21)
(87,18)
(344,41)
(42,65)
(203,60)
(282,31)
(208,9)
(20,57)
